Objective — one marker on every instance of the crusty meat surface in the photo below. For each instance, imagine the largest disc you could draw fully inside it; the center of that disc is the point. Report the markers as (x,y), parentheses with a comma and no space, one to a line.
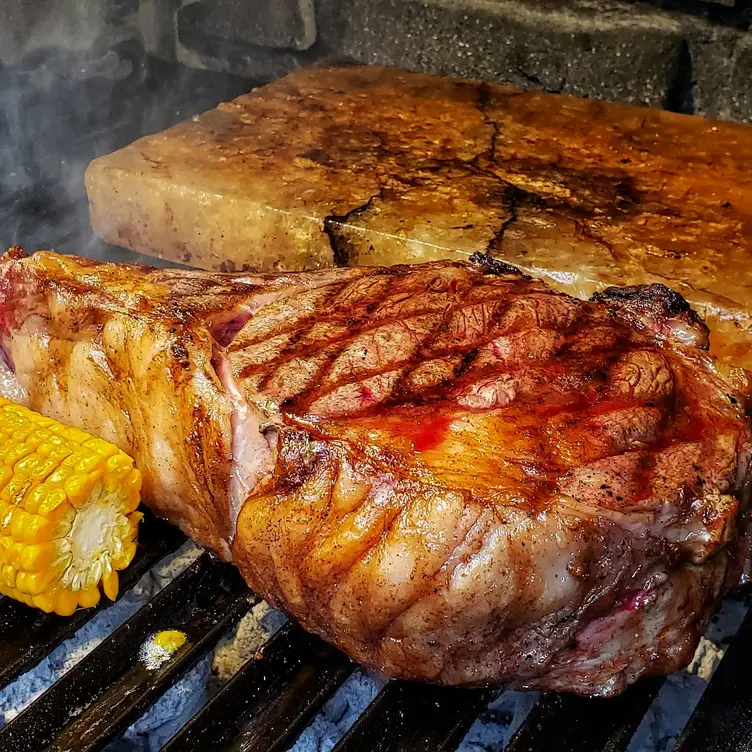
(448,470)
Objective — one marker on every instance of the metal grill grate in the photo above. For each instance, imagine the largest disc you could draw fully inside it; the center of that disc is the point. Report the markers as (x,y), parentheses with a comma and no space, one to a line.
(270,701)
(273,697)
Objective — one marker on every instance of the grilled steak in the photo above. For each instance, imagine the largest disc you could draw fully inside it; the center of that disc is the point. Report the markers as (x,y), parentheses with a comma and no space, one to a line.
(448,470)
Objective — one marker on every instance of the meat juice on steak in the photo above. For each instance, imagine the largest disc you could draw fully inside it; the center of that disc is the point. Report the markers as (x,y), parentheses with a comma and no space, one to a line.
(448,470)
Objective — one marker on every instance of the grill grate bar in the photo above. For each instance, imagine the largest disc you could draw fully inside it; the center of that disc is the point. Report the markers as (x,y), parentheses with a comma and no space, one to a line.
(578,724)
(28,635)
(722,720)
(269,702)
(409,716)
(104,693)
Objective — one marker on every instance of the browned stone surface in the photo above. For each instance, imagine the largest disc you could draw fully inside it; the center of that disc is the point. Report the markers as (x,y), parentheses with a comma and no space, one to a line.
(372,166)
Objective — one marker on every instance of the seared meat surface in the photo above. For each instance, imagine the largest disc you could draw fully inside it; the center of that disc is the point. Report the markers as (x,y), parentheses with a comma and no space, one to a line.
(448,470)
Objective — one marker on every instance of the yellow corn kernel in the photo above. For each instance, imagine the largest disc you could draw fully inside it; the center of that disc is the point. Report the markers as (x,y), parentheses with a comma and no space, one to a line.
(78,488)
(17,451)
(19,522)
(21,581)
(133,481)
(23,429)
(125,557)
(15,552)
(134,518)
(6,473)
(36,497)
(100,446)
(21,596)
(35,466)
(38,556)
(35,583)
(67,512)
(53,501)
(45,601)
(18,486)
(8,576)
(111,584)
(66,602)
(48,447)
(90,463)
(37,529)
(34,439)
(88,598)
(169,640)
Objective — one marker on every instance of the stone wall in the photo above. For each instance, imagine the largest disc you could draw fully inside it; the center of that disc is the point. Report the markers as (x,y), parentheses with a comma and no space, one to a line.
(684,55)
(677,54)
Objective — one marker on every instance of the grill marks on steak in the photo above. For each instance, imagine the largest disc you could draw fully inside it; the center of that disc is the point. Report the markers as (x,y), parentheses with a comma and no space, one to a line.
(448,470)
(342,356)
(384,331)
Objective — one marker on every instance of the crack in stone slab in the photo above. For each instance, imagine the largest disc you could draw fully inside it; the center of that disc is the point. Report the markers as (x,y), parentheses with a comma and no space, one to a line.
(512,197)
(484,99)
(334,224)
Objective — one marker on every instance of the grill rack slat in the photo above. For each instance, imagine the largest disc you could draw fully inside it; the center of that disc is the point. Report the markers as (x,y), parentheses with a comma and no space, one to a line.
(28,634)
(269,702)
(722,720)
(111,684)
(408,716)
(580,724)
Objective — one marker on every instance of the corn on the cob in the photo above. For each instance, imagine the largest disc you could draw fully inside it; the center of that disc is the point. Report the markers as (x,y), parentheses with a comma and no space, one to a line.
(68,519)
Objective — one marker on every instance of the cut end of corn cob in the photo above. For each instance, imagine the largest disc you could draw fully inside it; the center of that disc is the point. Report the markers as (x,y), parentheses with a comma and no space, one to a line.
(68,519)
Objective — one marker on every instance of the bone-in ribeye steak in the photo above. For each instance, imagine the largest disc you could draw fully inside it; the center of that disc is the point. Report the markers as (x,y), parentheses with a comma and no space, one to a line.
(448,470)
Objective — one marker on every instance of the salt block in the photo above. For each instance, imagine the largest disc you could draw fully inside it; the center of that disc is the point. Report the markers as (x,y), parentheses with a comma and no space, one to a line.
(367,165)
